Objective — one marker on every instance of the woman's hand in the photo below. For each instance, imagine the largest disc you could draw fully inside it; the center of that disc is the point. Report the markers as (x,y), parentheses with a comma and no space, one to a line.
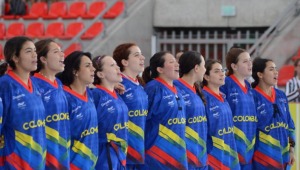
(292,156)
(120,88)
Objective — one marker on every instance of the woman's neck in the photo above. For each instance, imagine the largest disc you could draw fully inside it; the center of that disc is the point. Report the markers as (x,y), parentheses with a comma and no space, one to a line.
(265,88)
(130,74)
(22,75)
(48,74)
(78,87)
(109,86)
(189,79)
(215,89)
(241,79)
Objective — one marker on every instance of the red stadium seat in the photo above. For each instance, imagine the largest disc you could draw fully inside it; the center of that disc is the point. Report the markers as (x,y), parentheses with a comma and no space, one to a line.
(286,72)
(35,30)
(37,10)
(115,10)
(1,53)
(95,9)
(73,47)
(72,30)
(93,31)
(2,31)
(15,29)
(57,9)
(55,30)
(77,9)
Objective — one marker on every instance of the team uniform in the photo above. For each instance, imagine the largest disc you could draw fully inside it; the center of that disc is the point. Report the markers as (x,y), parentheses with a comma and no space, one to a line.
(23,124)
(113,129)
(240,99)
(136,100)
(221,146)
(84,127)
(57,122)
(275,126)
(165,127)
(196,126)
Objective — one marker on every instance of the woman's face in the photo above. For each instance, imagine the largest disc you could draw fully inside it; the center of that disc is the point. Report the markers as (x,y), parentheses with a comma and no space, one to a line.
(216,75)
(270,74)
(135,62)
(110,70)
(170,71)
(201,69)
(244,65)
(85,74)
(27,60)
(54,60)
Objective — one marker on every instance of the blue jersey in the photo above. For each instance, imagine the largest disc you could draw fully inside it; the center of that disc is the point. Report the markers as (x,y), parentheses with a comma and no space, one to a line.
(84,127)
(243,109)
(113,128)
(57,122)
(221,146)
(136,100)
(275,126)
(196,125)
(1,114)
(165,127)
(23,124)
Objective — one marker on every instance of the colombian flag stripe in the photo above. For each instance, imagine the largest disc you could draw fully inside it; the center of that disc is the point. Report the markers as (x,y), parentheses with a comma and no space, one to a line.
(164,158)
(83,150)
(53,135)
(133,128)
(194,136)
(28,142)
(17,162)
(265,160)
(267,139)
(51,161)
(216,164)
(220,144)
(192,158)
(168,134)
(135,154)
(74,167)
(122,142)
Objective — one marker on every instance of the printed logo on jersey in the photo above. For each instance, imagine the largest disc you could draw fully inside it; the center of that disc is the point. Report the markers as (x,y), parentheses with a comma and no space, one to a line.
(261,108)
(197,119)
(276,125)
(176,121)
(171,103)
(168,97)
(111,109)
(120,126)
(129,96)
(187,100)
(105,104)
(47,98)
(215,111)
(136,113)
(79,116)
(225,131)
(57,117)
(21,105)
(127,90)
(245,119)
(233,96)
(89,131)
(18,97)
(33,124)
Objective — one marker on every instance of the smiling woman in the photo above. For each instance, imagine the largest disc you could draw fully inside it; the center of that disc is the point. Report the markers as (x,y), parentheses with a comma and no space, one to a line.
(23,133)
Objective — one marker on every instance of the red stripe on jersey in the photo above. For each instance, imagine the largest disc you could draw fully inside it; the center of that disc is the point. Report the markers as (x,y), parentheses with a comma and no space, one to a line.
(133,153)
(241,159)
(73,167)
(51,161)
(192,159)
(164,158)
(216,164)
(17,162)
(266,160)
(2,160)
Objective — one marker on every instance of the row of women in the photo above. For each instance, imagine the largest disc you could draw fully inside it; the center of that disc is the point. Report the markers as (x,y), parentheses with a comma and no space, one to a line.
(51,119)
